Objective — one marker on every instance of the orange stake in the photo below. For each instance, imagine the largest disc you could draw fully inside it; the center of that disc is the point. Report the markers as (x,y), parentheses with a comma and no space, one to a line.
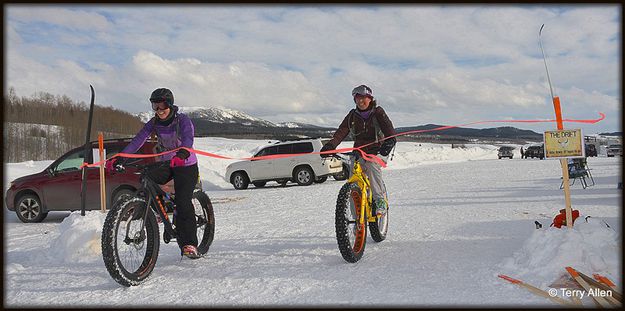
(538,291)
(102,179)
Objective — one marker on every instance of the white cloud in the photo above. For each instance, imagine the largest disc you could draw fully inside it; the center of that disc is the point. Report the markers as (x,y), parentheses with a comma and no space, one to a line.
(426,64)
(58,16)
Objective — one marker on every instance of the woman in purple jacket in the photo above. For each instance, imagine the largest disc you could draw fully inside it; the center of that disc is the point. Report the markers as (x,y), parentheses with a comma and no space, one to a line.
(173,130)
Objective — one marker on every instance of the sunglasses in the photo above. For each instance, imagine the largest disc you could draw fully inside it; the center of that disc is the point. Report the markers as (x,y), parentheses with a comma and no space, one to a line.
(359,98)
(159,106)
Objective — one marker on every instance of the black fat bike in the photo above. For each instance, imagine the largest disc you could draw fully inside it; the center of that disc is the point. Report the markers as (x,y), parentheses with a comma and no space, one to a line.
(130,237)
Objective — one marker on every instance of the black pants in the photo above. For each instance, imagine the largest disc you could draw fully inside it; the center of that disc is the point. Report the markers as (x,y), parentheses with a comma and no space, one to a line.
(185,178)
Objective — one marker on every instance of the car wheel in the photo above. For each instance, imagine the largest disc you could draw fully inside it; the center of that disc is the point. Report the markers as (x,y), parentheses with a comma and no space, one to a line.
(29,209)
(303,176)
(240,181)
(320,180)
(499,158)
(259,184)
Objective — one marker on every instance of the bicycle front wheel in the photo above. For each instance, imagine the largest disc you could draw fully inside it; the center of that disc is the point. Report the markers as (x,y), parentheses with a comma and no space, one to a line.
(205,220)
(351,235)
(130,246)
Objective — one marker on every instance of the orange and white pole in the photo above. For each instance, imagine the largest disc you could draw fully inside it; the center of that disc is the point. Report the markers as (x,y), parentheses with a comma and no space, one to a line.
(102,179)
(563,163)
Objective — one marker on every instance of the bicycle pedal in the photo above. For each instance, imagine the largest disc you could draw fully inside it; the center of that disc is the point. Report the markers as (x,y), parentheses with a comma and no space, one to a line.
(167,237)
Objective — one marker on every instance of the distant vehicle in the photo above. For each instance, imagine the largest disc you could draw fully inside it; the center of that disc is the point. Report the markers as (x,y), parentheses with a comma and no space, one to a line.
(536,151)
(303,170)
(505,152)
(591,150)
(614,150)
(57,188)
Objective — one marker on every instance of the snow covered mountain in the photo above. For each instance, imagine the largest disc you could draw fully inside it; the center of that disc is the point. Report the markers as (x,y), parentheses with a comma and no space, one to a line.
(223,115)
(229,116)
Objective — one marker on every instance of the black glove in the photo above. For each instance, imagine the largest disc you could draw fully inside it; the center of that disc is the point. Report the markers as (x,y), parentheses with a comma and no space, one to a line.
(387,146)
(183,154)
(116,164)
(326,147)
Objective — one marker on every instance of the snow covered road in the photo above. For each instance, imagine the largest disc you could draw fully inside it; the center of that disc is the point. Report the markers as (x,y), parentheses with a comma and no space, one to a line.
(454,221)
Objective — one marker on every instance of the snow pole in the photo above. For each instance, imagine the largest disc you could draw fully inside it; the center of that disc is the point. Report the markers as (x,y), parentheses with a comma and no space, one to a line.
(609,285)
(600,302)
(537,291)
(563,163)
(102,180)
(83,188)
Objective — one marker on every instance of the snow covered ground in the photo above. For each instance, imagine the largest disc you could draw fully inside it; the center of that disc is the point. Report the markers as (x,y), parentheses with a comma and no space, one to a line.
(458,218)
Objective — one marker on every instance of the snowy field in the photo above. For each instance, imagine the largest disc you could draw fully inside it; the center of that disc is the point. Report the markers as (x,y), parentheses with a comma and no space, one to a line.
(458,218)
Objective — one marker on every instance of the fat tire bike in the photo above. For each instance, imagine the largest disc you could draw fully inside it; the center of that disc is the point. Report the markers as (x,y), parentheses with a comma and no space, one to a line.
(130,236)
(354,213)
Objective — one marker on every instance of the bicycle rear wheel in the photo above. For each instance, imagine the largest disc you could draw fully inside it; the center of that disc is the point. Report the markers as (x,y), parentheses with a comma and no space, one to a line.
(205,220)
(130,249)
(351,235)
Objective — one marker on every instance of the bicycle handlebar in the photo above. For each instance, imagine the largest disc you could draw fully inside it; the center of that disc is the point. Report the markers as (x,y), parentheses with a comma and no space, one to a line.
(337,155)
(136,163)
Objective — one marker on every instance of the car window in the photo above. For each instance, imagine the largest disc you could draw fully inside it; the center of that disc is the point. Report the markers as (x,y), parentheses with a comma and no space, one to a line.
(113,150)
(303,147)
(285,149)
(71,162)
(267,151)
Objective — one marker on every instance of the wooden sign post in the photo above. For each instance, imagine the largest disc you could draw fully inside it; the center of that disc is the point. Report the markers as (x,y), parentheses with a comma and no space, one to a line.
(565,169)
(558,111)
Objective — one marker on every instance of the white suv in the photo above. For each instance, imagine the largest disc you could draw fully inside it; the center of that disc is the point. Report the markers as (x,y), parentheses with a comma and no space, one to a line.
(304,169)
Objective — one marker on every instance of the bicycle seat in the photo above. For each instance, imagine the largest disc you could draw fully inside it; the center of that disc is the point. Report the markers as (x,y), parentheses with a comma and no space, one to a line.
(168,187)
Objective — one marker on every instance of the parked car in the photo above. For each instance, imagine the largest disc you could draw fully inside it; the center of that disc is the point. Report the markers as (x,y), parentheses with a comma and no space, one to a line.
(614,150)
(505,152)
(535,151)
(590,150)
(304,170)
(57,188)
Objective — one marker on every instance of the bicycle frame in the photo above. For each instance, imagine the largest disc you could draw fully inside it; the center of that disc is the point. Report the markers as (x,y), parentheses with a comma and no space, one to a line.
(360,178)
(151,191)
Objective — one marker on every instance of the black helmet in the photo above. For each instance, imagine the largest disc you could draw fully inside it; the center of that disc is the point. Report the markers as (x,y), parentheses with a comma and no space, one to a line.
(362,90)
(162,95)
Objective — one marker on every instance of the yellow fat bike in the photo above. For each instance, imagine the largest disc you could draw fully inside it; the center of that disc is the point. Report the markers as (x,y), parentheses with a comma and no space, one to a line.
(355,212)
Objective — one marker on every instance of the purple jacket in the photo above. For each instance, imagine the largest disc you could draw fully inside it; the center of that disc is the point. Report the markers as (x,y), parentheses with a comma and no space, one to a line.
(167,137)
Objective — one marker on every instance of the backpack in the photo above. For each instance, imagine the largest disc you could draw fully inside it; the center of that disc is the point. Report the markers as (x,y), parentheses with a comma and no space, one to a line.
(378,132)
(159,145)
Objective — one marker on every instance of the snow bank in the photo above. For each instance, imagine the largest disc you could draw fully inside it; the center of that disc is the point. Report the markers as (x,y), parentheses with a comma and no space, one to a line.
(408,155)
(590,247)
(80,238)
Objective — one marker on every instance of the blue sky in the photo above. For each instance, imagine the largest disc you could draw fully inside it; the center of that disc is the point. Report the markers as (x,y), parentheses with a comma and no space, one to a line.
(449,64)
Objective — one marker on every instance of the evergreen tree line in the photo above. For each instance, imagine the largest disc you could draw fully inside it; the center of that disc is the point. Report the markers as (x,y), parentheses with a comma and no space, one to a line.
(44,126)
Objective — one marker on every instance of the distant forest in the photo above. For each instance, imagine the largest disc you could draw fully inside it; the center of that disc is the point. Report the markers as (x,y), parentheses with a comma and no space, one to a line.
(45,126)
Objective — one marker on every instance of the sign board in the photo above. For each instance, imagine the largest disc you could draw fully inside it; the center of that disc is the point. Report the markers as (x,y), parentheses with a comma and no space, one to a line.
(96,155)
(564,144)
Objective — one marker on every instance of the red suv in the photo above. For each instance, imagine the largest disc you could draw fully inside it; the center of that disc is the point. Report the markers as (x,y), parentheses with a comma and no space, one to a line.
(57,188)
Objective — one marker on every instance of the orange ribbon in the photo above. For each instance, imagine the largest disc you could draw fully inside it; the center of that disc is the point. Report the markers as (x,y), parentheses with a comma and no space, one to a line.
(366,156)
